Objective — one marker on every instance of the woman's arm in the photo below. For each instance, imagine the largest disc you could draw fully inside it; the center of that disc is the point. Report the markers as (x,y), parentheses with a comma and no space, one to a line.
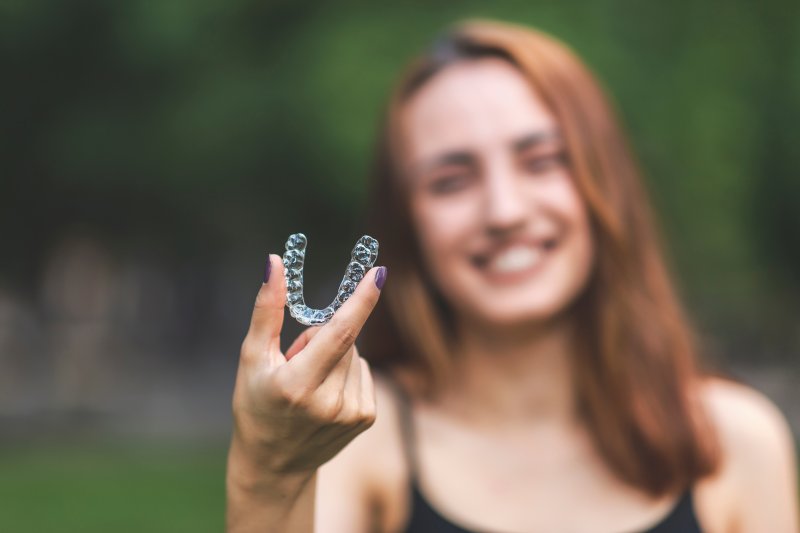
(264,503)
(759,459)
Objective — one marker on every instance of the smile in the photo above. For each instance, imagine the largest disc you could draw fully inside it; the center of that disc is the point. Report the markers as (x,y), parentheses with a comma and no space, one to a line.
(512,263)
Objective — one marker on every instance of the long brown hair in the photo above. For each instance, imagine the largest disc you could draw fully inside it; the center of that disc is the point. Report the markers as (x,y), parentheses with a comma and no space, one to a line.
(637,373)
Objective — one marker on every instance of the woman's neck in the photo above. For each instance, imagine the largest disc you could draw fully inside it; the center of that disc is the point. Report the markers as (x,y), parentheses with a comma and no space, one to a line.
(511,375)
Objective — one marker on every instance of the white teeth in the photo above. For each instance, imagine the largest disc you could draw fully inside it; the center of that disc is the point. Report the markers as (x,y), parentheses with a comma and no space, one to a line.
(515,259)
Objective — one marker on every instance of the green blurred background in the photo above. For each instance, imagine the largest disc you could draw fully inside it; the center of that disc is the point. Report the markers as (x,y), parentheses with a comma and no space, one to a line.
(153,153)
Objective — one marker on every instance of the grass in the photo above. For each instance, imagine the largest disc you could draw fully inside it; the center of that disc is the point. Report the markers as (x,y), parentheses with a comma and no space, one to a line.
(120,488)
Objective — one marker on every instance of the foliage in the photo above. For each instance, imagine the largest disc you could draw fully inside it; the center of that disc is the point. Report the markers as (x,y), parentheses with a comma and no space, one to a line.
(207,128)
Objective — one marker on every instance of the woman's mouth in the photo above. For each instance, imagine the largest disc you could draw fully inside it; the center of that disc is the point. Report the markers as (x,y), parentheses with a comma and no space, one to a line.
(515,262)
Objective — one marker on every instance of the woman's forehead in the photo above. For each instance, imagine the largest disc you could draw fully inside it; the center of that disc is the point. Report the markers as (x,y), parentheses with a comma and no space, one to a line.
(473,105)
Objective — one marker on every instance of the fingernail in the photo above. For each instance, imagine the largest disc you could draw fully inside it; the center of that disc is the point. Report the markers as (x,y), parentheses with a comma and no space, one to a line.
(380,277)
(268,269)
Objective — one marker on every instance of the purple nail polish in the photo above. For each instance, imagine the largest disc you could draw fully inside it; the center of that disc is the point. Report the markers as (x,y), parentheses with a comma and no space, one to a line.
(380,277)
(268,270)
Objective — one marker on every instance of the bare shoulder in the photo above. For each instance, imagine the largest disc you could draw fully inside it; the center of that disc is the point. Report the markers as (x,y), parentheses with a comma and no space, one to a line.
(750,425)
(356,489)
(757,481)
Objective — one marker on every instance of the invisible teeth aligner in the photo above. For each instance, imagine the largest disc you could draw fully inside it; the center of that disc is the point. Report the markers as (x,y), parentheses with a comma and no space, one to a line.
(363,257)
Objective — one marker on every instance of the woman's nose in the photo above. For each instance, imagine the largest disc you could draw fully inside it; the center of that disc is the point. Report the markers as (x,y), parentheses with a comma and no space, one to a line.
(505,205)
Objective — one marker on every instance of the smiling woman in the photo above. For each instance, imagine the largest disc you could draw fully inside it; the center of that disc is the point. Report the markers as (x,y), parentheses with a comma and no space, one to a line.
(538,373)
(513,172)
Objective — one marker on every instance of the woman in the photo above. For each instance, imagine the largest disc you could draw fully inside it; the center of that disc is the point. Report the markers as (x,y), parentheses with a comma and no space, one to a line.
(538,372)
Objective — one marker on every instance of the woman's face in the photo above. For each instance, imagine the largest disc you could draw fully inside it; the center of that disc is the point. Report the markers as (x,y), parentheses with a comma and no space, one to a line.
(503,229)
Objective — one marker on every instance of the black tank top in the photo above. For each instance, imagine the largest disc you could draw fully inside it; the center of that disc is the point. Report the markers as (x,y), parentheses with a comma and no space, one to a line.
(424,518)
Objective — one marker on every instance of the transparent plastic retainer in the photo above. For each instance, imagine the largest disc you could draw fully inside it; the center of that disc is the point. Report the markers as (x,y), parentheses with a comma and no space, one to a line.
(363,257)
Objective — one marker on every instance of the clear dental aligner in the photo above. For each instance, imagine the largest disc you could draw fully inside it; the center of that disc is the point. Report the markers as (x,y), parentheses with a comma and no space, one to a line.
(363,257)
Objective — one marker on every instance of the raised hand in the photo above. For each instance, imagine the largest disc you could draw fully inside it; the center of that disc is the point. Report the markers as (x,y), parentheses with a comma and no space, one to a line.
(295,411)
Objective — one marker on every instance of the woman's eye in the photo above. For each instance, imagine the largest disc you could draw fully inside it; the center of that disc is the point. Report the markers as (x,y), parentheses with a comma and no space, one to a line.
(544,163)
(449,184)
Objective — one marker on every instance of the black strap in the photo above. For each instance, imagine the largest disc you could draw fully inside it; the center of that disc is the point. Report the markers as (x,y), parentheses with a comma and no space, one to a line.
(407,432)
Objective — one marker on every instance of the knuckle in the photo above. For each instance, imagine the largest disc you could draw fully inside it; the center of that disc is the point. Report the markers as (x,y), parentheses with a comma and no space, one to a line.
(346,334)
(351,414)
(289,394)
(367,416)
(247,347)
(330,408)
(356,416)
(249,351)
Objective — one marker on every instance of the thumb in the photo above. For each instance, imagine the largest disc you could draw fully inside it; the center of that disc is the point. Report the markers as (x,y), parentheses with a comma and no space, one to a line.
(267,319)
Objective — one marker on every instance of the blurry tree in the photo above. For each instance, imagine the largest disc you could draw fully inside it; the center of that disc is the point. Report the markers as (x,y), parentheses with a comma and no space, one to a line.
(211,129)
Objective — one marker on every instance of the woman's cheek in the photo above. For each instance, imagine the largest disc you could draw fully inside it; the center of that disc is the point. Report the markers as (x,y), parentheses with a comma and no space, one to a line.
(582,256)
(440,238)
(443,228)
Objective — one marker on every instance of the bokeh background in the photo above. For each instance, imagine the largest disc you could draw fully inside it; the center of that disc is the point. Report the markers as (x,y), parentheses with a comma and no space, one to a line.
(154,152)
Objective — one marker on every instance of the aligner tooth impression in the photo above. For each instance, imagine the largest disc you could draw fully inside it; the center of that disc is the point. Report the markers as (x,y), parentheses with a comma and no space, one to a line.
(362,258)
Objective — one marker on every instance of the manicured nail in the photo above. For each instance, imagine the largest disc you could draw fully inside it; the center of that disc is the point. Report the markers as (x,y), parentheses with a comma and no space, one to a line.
(380,277)
(268,269)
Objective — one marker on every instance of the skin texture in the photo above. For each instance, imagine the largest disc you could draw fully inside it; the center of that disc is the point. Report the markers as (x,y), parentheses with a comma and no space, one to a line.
(503,448)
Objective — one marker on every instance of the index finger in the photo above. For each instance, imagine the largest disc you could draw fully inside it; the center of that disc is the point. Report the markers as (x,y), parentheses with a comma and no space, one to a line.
(334,339)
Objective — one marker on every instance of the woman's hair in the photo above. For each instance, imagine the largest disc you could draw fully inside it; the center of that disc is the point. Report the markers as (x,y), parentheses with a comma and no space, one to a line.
(636,372)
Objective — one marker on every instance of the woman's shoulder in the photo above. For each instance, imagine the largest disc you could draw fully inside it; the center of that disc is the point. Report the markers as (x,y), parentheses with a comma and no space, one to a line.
(742,412)
(756,484)
(748,423)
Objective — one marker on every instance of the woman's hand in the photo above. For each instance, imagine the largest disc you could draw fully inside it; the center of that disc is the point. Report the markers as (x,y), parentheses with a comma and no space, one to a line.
(295,411)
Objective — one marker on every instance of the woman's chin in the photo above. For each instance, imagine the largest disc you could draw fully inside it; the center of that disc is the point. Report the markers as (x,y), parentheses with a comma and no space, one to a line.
(518,317)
